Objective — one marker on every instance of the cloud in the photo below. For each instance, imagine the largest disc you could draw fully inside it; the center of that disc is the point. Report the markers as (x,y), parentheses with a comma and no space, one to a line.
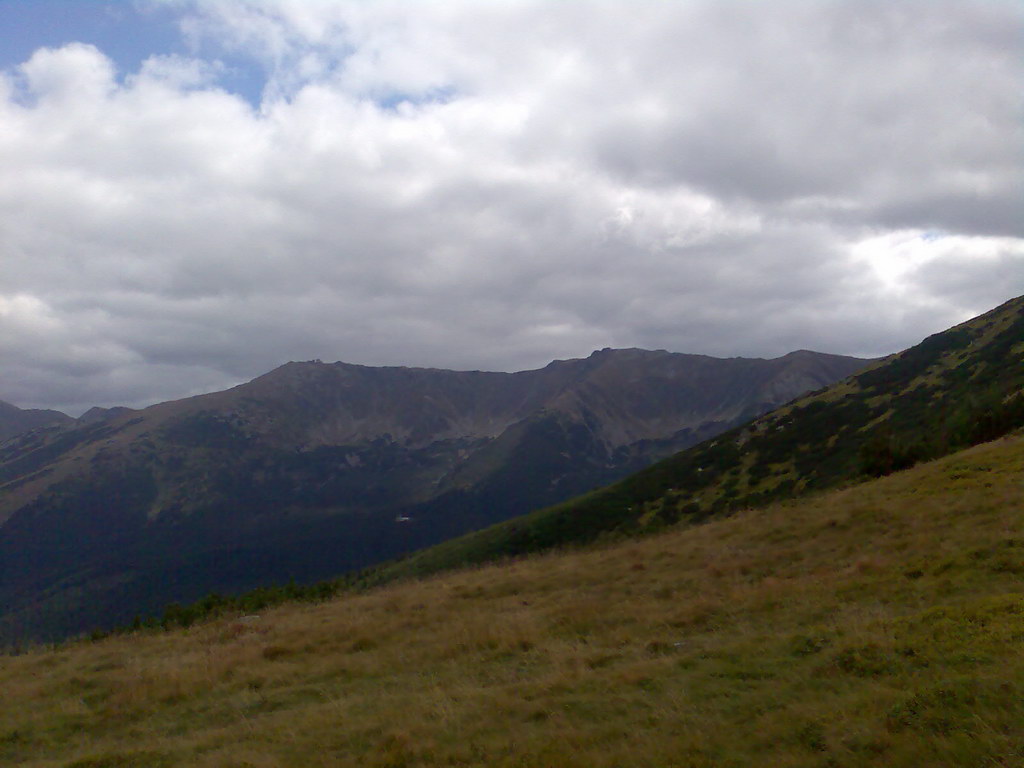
(495,185)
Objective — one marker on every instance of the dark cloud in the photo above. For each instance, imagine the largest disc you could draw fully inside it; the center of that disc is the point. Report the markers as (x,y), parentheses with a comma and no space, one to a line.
(998,213)
(492,186)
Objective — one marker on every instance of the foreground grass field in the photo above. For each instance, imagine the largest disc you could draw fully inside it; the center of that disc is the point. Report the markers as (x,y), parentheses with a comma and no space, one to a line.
(882,624)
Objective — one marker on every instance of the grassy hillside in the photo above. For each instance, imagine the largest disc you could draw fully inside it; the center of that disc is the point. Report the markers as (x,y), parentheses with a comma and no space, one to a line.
(954,389)
(876,625)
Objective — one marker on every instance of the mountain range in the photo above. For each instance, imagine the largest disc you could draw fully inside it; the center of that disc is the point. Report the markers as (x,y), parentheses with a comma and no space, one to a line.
(955,389)
(316,469)
(762,598)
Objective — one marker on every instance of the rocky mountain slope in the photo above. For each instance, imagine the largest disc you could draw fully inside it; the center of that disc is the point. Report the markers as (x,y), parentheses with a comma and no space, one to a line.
(955,389)
(314,469)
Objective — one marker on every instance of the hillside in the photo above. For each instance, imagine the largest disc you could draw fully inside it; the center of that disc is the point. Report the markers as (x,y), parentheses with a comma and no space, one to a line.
(954,389)
(316,469)
(875,625)
(14,420)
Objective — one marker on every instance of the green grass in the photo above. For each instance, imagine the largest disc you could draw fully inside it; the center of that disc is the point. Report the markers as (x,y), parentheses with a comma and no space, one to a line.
(881,624)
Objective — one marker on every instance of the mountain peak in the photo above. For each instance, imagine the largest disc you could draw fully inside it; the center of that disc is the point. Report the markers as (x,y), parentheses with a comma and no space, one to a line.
(15,420)
(96,414)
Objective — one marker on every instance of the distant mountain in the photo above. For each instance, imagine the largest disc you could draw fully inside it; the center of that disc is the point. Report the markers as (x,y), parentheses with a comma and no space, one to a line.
(314,469)
(955,389)
(96,414)
(14,420)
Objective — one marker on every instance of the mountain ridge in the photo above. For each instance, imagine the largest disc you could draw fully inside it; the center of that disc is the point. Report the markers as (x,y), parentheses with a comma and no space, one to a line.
(15,421)
(954,389)
(341,465)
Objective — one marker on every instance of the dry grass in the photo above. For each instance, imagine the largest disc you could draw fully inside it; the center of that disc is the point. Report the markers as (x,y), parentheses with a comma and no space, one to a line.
(879,625)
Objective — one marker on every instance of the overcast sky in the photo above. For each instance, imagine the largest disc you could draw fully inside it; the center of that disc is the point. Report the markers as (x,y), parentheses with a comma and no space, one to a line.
(192,193)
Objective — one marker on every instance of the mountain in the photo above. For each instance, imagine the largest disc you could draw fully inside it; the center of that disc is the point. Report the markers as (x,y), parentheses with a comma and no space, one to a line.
(878,625)
(316,469)
(96,414)
(14,420)
(956,388)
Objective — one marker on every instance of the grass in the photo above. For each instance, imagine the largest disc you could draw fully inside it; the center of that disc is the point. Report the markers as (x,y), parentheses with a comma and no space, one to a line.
(882,624)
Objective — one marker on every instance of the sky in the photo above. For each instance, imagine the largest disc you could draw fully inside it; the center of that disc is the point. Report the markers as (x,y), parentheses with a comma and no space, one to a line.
(193,192)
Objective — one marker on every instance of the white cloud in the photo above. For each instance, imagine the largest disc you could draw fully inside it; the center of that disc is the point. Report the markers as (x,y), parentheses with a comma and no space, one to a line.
(493,185)
(76,75)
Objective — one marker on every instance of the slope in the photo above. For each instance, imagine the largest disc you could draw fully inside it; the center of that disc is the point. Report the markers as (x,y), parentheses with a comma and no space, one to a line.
(954,389)
(875,625)
(314,469)
(15,421)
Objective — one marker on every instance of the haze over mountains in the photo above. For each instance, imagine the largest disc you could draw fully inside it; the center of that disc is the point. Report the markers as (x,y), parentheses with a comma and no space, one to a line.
(314,469)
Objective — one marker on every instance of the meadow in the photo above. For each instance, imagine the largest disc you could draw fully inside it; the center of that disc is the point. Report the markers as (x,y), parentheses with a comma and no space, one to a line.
(877,624)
